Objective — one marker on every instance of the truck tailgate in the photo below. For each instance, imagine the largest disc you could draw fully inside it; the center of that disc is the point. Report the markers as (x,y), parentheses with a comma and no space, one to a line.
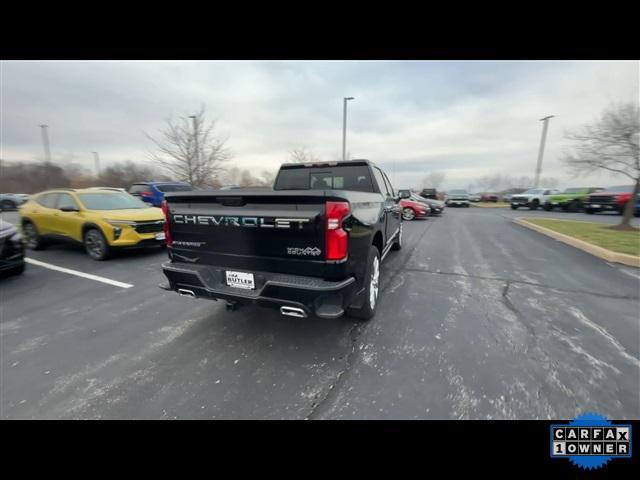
(280,231)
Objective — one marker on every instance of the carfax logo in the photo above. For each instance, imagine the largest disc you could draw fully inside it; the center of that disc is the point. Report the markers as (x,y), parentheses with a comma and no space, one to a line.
(590,441)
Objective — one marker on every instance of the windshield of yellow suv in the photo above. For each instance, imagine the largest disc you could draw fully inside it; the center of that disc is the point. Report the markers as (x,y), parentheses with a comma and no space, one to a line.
(110,201)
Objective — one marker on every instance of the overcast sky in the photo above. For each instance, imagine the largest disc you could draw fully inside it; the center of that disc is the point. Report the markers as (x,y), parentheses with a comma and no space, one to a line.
(468,119)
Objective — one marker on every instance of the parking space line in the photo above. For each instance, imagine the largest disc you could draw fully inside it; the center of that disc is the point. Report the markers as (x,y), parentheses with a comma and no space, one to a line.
(97,278)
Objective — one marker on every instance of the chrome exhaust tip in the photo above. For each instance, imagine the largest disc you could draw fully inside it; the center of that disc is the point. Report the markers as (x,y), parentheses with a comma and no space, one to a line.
(186,293)
(293,312)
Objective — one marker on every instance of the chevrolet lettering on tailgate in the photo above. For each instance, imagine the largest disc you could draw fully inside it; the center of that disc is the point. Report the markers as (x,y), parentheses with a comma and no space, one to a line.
(239,221)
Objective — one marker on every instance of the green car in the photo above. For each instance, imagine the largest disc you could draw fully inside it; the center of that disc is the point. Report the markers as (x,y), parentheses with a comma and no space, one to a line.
(571,200)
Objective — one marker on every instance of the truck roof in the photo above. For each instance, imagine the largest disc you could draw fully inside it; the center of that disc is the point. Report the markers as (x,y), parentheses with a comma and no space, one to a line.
(337,163)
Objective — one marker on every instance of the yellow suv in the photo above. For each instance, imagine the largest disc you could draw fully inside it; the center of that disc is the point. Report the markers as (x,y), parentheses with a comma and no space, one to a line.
(102,219)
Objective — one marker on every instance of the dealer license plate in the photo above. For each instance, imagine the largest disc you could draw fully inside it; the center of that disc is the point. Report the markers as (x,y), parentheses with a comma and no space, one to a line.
(240,280)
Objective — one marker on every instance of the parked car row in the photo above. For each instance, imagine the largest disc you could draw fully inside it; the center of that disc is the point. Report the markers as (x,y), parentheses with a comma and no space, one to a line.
(588,199)
(103,219)
(416,206)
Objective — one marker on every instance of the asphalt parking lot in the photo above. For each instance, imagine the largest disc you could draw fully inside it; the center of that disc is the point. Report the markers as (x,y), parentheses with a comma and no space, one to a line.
(479,319)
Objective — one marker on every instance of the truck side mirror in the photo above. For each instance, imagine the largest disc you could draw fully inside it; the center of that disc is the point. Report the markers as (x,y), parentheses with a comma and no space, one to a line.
(404,194)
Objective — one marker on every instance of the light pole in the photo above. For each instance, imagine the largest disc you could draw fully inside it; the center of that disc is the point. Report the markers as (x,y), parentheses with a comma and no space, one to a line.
(45,143)
(96,160)
(543,139)
(344,127)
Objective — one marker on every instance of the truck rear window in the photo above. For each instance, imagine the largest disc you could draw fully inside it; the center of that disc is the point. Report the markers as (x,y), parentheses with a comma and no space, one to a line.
(357,178)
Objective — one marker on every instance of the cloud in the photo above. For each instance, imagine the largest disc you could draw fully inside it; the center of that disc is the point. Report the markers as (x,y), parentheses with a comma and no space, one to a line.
(466,118)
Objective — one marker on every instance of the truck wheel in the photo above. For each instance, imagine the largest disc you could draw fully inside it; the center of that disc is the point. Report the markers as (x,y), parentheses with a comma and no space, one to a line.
(33,240)
(534,205)
(96,245)
(590,211)
(547,207)
(574,206)
(372,279)
(514,207)
(397,244)
(408,214)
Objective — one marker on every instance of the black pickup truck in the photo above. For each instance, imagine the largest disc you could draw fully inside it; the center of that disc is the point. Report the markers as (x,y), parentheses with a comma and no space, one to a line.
(311,246)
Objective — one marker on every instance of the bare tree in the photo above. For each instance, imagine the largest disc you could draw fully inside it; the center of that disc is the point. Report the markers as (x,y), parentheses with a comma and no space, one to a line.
(302,155)
(433,180)
(612,144)
(123,174)
(32,177)
(268,177)
(490,183)
(549,182)
(190,151)
(505,183)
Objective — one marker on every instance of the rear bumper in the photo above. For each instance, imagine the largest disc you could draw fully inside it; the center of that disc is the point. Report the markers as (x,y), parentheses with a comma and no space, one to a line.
(316,296)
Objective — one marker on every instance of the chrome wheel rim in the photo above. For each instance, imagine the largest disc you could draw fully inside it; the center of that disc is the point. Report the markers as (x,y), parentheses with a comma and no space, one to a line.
(373,287)
(31,235)
(408,214)
(94,244)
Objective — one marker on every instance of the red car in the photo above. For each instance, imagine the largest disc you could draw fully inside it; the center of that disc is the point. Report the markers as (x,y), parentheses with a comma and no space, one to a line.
(613,199)
(489,197)
(411,209)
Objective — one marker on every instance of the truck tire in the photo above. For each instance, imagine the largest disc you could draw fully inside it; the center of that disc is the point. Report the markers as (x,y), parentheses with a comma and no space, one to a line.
(514,207)
(590,211)
(574,206)
(33,240)
(372,279)
(534,204)
(96,245)
(397,244)
(547,207)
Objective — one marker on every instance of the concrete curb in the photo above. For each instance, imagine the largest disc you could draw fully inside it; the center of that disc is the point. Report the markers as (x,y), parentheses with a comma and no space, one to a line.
(608,255)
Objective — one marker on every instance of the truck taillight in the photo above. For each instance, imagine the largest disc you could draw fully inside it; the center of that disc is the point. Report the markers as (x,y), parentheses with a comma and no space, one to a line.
(336,239)
(165,227)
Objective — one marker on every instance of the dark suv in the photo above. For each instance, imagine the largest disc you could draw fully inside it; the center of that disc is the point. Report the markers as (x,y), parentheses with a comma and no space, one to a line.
(429,193)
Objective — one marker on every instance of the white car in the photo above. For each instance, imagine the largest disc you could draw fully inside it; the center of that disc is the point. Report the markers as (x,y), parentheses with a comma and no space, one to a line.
(532,198)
